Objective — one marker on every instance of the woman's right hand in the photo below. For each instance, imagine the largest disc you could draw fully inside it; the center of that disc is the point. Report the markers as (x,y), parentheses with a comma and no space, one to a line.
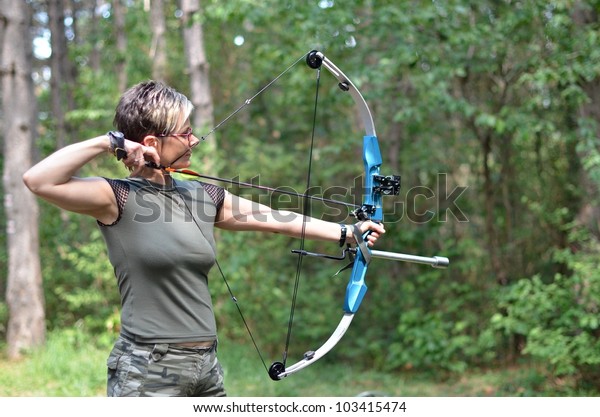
(138,154)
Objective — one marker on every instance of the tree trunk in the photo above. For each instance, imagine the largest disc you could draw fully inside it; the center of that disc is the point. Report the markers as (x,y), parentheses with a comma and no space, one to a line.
(158,52)
(121,64)
(56,17)
(489,203)
(193,39)
(90,7)
(589,213)
(24,295)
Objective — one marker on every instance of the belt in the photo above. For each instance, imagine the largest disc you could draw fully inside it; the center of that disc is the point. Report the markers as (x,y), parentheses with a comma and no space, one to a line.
(194,345)
(186,345)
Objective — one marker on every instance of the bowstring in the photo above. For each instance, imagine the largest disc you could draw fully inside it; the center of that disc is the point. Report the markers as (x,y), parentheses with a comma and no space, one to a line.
(305,210)
(305,213)
(239,309)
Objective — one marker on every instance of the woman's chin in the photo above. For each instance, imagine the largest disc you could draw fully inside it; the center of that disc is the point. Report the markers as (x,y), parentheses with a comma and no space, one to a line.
(181,164)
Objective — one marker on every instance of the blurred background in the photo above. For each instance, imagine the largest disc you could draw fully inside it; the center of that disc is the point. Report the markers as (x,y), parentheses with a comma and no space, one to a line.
(488,110)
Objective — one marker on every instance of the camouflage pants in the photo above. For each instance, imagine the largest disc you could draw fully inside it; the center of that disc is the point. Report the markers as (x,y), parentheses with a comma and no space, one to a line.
(160,370)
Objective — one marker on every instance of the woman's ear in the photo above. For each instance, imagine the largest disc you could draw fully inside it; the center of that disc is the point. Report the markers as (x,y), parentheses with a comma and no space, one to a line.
(150,140)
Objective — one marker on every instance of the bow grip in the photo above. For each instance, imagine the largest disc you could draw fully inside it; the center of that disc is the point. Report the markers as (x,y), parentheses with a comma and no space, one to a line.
(356,289)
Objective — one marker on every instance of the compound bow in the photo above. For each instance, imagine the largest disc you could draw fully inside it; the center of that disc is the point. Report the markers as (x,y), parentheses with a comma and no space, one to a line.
(375,186)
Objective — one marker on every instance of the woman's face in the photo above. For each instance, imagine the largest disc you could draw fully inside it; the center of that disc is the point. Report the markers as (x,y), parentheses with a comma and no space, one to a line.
(176,149)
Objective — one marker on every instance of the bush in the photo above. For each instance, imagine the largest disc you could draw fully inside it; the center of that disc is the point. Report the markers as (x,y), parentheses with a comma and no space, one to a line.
(559,318)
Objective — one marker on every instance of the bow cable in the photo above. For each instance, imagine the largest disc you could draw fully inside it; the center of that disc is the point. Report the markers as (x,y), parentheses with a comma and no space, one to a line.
(305,213)
(248,101)
(231,294)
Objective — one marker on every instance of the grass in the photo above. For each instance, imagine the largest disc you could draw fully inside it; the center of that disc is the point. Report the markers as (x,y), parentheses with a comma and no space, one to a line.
(69,365)
(72,364)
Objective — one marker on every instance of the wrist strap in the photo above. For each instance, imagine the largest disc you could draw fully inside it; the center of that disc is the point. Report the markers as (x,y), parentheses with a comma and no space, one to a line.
(360,242)
(343,232)
(117,144)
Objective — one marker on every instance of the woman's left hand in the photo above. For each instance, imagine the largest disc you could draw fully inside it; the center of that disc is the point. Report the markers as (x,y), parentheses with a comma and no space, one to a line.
(376,229)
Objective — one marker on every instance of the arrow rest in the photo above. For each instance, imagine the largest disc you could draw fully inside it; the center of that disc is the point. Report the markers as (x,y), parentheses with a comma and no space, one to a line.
(364,212)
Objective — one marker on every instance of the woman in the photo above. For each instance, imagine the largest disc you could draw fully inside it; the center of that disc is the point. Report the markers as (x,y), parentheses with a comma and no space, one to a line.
(159,236)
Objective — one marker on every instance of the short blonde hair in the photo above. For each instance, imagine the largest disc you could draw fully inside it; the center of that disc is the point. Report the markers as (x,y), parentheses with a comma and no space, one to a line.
(151,108)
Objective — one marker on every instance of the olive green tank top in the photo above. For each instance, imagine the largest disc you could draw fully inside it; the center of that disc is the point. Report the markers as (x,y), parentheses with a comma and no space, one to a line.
(162,248)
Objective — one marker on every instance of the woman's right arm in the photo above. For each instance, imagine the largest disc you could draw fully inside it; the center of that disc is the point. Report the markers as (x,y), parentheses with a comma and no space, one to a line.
(54,180)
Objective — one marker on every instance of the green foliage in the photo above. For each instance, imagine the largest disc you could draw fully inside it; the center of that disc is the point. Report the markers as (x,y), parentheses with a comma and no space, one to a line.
(559,319)
(79,283)
(428,342)
(439,331)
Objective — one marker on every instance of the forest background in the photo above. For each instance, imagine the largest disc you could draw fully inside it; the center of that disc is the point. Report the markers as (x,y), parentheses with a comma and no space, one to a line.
(489,111)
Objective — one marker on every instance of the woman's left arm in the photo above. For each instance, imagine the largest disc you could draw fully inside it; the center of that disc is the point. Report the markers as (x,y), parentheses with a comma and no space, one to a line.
(238,213)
